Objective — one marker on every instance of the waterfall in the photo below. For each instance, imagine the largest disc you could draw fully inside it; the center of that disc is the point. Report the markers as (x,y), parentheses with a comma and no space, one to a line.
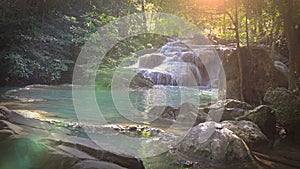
(180,64)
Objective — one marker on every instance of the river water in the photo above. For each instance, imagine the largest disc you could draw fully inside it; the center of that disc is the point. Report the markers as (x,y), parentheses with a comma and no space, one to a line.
(56,102)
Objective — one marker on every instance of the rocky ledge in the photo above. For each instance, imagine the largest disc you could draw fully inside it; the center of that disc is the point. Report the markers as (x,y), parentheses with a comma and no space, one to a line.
(30,143)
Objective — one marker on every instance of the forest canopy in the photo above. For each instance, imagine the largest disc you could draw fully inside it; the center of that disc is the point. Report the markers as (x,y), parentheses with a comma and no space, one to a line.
(41,39)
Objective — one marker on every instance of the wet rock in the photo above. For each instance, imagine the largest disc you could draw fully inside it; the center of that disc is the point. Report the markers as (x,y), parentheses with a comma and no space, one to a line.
(248,131)
(9,126)
(44,147)
(264,118)
(285,105)
(132,128)
(18,119)
(209,142)
(158,77)
(4,134)
(139,81)
(101,151)
(4,112)
(151,60)
(188,57)
(259,73)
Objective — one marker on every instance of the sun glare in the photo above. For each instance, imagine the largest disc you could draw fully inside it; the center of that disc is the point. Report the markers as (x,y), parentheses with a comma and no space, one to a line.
(212,2)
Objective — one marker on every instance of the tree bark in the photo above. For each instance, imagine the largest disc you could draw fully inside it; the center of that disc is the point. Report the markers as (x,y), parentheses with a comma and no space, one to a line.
(247,26)
(237,37)
(289,26)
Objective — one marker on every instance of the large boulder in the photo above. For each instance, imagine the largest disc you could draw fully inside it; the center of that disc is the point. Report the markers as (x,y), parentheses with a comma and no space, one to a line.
(285,105)
(264,118)
(248,131)
(259,73)
(210,143)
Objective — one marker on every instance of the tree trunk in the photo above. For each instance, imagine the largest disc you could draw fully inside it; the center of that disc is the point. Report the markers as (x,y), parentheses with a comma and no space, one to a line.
(144,24)
(247,26)
(237,37)
(224,23)
(289,26)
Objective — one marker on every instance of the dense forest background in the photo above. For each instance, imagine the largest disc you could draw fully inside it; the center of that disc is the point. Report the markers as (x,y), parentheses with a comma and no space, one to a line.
(41,39)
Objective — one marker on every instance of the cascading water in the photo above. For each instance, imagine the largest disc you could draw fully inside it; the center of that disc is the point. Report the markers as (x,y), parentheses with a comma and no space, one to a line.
(180,64)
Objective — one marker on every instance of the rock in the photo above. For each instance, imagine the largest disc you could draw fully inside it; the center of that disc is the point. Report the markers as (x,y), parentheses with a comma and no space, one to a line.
(164,112)
(231,103)
(132,128)
(248,131)
(75,153)
(18,119)
(91,164)
(3,113)
(186,113)
(151,60)
(259,73)
(228,109)
(9,126)
(264,118)
(41,146)
(210,143)
(4,134)
(8,129)
(102,152)
(282,68)
(158,77)
(21,153)
(285,105)
(189,113)
(188,57)
(139,81)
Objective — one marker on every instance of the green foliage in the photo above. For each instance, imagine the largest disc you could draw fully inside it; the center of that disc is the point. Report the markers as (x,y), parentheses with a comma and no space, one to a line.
(40,40)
